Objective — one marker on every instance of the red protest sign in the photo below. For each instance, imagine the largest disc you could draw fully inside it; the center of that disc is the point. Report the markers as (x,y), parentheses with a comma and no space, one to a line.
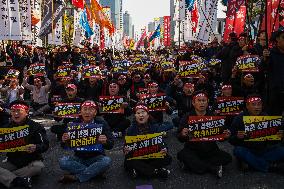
(111,104)
(154,102)
(229,105)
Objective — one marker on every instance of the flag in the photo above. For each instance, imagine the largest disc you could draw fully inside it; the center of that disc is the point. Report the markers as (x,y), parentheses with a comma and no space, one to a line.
(189,4)
(139,43)
(59,6)
(156,34)
(78,3)
(85,24)
(194,18)
(167,31)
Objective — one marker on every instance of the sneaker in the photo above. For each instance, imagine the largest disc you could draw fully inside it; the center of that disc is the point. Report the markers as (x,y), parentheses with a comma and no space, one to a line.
(68,179)
(25,182)
(133,173)
(162,172)
(219,171)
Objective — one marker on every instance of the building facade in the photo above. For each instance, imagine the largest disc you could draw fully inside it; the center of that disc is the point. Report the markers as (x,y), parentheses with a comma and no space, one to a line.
(127,24)
(116,12)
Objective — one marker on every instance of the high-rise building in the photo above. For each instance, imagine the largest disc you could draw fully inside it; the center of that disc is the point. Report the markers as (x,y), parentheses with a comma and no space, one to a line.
(133,31)
(172,12)
(127,24)
(116,12)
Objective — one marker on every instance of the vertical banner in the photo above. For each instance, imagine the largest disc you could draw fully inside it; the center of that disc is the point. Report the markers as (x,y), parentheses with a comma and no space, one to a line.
(96,36)
(167,31)
(77,35)
(67,28)
(14,15)
(102,39)
(240,20)
(206,25)
(26,19)
(56,38)
(4,21)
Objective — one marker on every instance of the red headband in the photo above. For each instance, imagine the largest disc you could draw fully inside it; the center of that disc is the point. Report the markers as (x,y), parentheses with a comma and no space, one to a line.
(89,104)
(153,84)
(111,84)
(37,79)
(20,107)
(141,107)
(226,86)
(253,99)
(200,95)
(248,75)
(189,85)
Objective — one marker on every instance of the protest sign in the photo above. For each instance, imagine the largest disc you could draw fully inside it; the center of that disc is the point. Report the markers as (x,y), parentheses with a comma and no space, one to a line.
(206,128)
(229,105)
(214,62)
(36,69)
(91,59)
(91,71)
(145,146)
(111,104)
(12,73)
(154,102)
(262,128)
(248,63)
(168,66)
(189,69)
(14,139)
(83,137)
(67,110)
(63,71)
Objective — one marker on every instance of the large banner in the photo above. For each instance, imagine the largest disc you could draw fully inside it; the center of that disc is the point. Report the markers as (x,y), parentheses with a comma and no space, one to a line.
(26,19)
(262,128)
(46,26)
(111,104)
(154,102)
(14,139)
(55,38)
(167,31)
(67,110)
(83,137)
(208,20)
(145,146)
(206,128)
(229,105)
(78,31)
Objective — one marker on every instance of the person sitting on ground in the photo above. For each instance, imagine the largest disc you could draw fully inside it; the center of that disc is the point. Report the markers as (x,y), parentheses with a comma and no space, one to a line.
(201,157)
(22,165)
(85,165)
(262,155)
(39,94)
(146,167)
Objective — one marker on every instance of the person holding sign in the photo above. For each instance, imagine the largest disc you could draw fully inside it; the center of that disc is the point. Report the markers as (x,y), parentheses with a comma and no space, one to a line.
(116,117)
(39,94)
(261,154)
(23,146)
(201,156)
(86,165)
(13,92)
(136,160)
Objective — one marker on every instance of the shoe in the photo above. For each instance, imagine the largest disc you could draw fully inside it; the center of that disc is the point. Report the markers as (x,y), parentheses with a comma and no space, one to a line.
(219,171)
(25,182)
(162,172)
(133,173)
(68,179)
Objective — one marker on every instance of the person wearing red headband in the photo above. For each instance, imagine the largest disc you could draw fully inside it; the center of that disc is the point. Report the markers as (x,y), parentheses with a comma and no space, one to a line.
(150,168)
(85,165)
(201,157)
(259,155)
(39,94)
(124,84)
(21,166)
(91,88)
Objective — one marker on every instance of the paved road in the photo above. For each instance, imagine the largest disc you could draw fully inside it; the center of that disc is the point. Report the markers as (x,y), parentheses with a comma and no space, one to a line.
(118,179)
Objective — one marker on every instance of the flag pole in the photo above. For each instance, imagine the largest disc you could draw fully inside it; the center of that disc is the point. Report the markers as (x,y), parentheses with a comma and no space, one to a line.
(266,34)
(52,19)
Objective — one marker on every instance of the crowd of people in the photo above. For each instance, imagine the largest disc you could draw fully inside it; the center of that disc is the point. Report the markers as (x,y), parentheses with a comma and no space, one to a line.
(25,96)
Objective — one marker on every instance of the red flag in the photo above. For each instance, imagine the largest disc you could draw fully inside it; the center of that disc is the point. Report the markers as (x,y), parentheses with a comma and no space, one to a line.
(240,19)
(234,17)
(139,43)
(272,16)
(194,18)
(102,39)
(78,3)
(167,31)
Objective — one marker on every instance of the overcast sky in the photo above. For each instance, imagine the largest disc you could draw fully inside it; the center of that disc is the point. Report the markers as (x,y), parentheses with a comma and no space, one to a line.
(144,11)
